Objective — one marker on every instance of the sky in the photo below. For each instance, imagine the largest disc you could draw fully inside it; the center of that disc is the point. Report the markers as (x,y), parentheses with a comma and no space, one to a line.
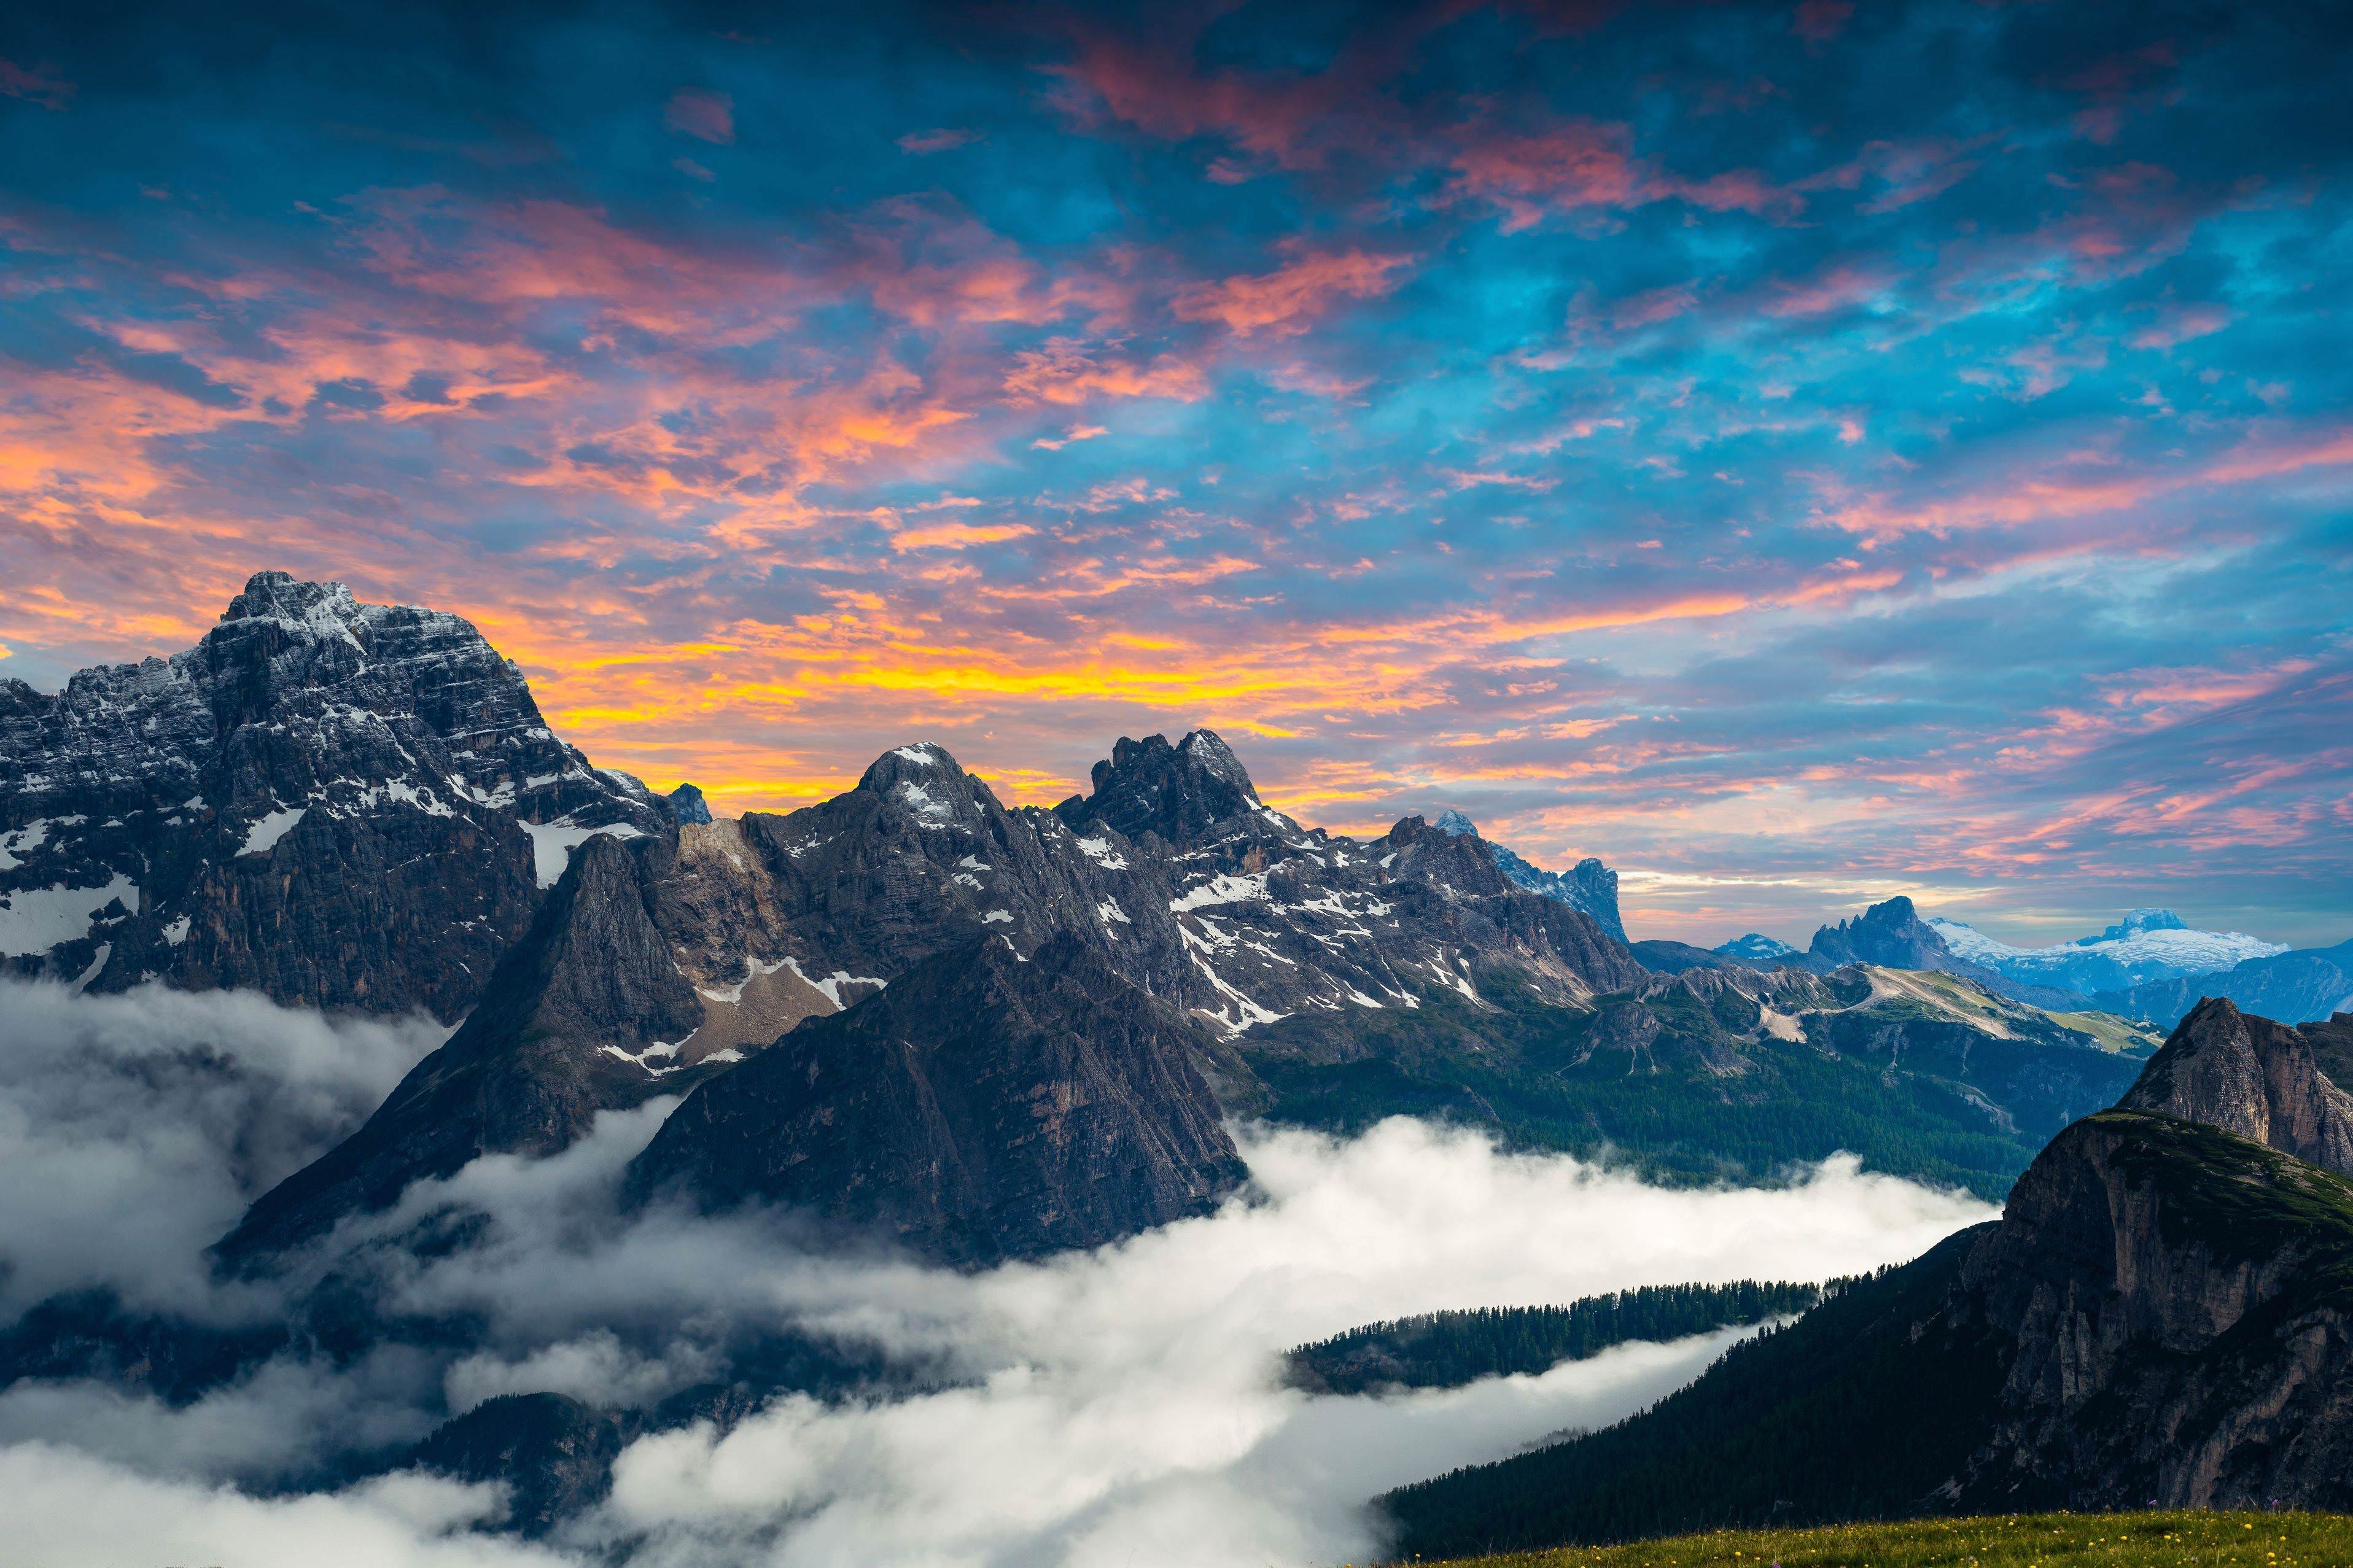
(1797,452)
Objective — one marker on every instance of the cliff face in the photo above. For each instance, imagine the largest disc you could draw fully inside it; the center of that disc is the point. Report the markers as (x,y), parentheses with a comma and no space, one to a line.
(2180,1307)
(2164,1315)
(2255,1078)
(583,1016)
(984,1107)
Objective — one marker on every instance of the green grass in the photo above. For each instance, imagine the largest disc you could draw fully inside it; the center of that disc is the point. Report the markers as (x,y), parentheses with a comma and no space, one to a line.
(2023,1540)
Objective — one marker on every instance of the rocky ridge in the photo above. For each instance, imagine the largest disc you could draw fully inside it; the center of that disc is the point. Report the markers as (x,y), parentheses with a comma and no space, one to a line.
(1589,885)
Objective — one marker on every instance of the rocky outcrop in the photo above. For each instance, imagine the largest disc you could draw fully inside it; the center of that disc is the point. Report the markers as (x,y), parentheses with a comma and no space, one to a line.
(986,1106)
(342,805)
(584,1016)
(2251,1077)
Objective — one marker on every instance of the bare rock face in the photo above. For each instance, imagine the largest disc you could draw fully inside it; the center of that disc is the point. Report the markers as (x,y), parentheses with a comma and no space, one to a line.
(343,804)
(561,1034)
(2182,1324)
(984,1107)
(2251,1077)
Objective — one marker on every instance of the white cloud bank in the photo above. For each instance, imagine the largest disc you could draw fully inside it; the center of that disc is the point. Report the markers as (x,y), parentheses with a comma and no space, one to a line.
(1119,1407)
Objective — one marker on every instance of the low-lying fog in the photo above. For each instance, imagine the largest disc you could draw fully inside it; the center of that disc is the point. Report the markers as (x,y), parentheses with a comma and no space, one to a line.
(1117,1407)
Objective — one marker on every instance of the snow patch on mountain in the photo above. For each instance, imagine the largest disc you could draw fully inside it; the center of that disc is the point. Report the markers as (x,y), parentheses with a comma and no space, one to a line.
(2146,946)
(551,844)
(35,920)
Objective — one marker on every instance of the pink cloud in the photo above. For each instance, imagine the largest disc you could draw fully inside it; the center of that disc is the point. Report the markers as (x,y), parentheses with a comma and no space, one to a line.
(700,111)
(1282,303)
(941,140)
(39,84)
(1819,21)
(1833,288)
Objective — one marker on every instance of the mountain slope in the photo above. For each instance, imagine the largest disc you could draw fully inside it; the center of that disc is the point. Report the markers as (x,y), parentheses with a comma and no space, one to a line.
(1724,1073)
(342,804)
(984,1107)
(2297,987)
(2164,1313)
(560,1036)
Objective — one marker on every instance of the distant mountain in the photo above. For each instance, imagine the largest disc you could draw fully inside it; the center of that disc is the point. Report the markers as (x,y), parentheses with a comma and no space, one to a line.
(1722,1073)
(2301,987)
(2146,946)
(1893,933)
(1589,885)
(2163,1316)
(353,806)
(1757,948)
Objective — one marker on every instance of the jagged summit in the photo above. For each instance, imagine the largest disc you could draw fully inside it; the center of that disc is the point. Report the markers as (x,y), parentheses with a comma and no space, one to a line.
(1180,793)
(686,804)
(283,596)
(1589,886)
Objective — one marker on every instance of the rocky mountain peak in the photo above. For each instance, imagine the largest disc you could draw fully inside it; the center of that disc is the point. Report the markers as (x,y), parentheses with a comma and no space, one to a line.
(280,595)
(2134,924)
(1454,822)
(2251,1077)
(1891,934)
(1179,791)
(686,804)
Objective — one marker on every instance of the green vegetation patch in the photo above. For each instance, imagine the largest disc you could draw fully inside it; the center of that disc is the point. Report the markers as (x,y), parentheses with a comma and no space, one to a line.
(1685,1089)
(2169,1540)
(1447,1350)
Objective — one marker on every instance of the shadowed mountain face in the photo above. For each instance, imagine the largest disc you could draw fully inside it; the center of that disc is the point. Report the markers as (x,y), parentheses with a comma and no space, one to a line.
(984,1107)
(2164,1314)
(342,805)
(560,1036)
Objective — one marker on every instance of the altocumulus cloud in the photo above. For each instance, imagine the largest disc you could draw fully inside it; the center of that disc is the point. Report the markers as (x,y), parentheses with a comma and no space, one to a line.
(1120,1406)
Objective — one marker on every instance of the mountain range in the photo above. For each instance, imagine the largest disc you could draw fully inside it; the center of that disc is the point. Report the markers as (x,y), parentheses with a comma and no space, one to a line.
(2146,945)
(929,1025)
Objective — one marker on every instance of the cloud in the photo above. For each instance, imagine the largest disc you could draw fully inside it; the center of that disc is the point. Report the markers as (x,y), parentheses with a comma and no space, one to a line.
(701,112)
(1116,1405)
(135,1128)
(1282,303)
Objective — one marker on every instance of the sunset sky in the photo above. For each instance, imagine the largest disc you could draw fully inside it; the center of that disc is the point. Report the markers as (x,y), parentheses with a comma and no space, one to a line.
(1797,452)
